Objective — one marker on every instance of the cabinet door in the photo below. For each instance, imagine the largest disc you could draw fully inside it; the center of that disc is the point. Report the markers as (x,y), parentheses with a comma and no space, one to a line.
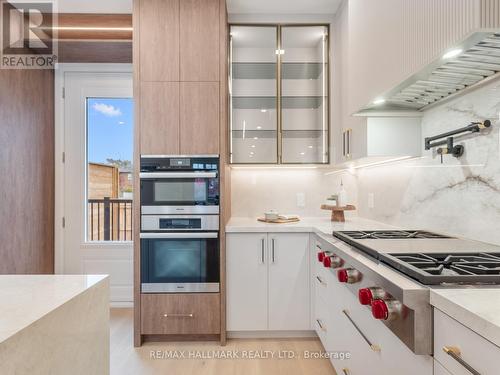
(199,38)
(289,288)
(246,273)
(159,118)
(159,40)
(439,369)
(199,115)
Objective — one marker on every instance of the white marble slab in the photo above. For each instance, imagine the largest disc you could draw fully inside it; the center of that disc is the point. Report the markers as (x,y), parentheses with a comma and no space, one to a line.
(54,324)
(306,224)
(476,308)
(26,298)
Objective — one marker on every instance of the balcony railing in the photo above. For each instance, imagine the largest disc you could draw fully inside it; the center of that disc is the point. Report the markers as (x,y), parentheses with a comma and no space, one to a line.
(109,219)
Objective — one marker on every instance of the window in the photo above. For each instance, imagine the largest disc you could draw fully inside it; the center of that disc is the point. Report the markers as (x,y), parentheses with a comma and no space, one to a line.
(109,169)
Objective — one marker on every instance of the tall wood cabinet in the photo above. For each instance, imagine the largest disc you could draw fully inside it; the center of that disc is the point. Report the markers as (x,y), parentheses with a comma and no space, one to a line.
(180,95)
(179,44)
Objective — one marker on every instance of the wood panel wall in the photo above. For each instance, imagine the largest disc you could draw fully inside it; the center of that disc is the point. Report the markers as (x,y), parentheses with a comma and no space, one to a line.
(27,167)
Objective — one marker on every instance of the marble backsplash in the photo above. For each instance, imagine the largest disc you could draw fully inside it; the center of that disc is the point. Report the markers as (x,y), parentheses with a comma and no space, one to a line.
(459,197)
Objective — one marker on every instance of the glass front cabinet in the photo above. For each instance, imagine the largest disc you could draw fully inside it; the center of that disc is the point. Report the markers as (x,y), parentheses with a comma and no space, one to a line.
(279,86)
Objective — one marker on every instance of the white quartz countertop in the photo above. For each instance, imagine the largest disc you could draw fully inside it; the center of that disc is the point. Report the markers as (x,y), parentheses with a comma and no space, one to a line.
(24,299)
(476,308)
(307,224)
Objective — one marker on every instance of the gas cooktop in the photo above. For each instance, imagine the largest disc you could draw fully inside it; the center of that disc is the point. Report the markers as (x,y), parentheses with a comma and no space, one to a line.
(432,269)
(388,234)
(371,241)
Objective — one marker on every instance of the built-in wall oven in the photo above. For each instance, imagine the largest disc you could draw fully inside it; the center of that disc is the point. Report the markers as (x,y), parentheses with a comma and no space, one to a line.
(179,185)
(180,250)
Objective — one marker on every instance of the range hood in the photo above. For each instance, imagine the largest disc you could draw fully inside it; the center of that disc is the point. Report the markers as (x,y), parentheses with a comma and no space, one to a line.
(471,63)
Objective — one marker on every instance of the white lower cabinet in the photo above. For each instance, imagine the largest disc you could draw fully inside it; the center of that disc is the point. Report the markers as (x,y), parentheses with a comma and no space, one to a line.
(267,281)
(457,348)
(247,279)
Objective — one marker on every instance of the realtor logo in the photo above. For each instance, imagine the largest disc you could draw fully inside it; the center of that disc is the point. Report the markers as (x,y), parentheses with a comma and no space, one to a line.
(27,35)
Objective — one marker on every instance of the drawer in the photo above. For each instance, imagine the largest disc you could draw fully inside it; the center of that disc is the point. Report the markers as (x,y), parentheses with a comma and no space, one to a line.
(197,314)
(479,353)
(440,370)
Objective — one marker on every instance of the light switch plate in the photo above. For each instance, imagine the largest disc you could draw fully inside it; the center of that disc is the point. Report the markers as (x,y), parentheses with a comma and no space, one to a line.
(301,200)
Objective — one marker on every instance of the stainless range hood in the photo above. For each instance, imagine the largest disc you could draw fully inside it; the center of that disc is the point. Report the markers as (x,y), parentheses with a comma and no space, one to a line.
(471,63)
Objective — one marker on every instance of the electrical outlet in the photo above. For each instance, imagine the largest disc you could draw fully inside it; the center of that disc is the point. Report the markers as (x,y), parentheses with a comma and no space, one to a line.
(371,200)
(301,200)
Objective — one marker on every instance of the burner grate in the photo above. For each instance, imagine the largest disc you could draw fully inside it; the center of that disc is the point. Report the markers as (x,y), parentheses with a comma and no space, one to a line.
(390,234)
(447,268)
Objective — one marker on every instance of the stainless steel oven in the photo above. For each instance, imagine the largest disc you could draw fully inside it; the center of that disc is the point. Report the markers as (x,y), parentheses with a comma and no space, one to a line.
(187,262)
(179,184)
(180,224)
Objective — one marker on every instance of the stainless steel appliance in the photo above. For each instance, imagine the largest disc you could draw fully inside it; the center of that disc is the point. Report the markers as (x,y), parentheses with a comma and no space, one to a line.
(179,184)
(391,273)
(180,250)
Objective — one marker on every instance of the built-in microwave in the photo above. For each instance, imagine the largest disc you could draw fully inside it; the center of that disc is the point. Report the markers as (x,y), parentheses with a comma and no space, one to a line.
(187,262)
(179,184)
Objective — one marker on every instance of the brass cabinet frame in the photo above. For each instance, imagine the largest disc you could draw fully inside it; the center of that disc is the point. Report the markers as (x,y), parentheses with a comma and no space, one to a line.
(279,129)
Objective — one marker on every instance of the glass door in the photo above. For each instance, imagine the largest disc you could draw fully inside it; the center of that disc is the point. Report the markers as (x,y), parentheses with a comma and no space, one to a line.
(253,95)
(285,120)
(304,94)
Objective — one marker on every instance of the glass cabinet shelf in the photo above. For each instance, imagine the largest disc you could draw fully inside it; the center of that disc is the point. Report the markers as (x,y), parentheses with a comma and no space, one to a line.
(279,94)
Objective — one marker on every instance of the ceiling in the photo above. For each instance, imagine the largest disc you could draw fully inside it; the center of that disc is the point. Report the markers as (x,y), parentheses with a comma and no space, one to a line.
(283,6)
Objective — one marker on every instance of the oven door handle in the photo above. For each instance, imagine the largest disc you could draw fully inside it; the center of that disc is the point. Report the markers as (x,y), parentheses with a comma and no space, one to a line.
(154,175)
(179,235)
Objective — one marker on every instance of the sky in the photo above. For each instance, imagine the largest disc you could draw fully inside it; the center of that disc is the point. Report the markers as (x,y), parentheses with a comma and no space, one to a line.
(109,129)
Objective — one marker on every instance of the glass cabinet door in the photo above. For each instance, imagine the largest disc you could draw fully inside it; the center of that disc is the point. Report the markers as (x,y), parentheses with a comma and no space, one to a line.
(278,85)
(304,94)
(253,94)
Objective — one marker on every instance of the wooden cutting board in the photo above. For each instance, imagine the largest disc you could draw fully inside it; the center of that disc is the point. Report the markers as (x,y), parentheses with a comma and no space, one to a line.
(278,221)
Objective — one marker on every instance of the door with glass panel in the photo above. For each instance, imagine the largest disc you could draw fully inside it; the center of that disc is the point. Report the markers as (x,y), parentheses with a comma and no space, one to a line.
(98,179)
(253,94)
(279,85)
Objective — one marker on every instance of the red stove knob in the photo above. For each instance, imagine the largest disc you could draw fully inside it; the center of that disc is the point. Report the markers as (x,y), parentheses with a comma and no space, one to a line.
(322,255)
(348,275)
(367,295)
(386,309)
(332,261)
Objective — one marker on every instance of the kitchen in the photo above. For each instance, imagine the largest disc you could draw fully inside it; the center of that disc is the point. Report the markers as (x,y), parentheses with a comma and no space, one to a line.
(313,187)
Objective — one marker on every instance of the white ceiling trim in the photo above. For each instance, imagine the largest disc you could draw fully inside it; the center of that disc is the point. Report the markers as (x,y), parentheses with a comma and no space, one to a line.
(283,6)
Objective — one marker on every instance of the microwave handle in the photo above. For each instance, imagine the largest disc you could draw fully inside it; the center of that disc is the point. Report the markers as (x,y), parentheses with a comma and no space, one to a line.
(178,175)
(179,235)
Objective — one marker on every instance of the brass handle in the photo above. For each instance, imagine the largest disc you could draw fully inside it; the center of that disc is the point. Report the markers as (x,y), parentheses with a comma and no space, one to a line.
(373,347)
(191,315)
(454,352)
(346,371)
(320,325)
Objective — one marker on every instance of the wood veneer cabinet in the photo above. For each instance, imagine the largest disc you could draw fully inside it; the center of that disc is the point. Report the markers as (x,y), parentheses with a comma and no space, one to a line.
(199,40)
(181,98)
(158,40)
(159,111)
(199,125)
(177,314)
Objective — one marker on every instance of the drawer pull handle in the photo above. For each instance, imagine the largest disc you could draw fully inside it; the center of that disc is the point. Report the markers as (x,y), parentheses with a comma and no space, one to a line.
(320,280)
(346,371)
(455,353)
(373,347)
(191,315)
(320,325)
